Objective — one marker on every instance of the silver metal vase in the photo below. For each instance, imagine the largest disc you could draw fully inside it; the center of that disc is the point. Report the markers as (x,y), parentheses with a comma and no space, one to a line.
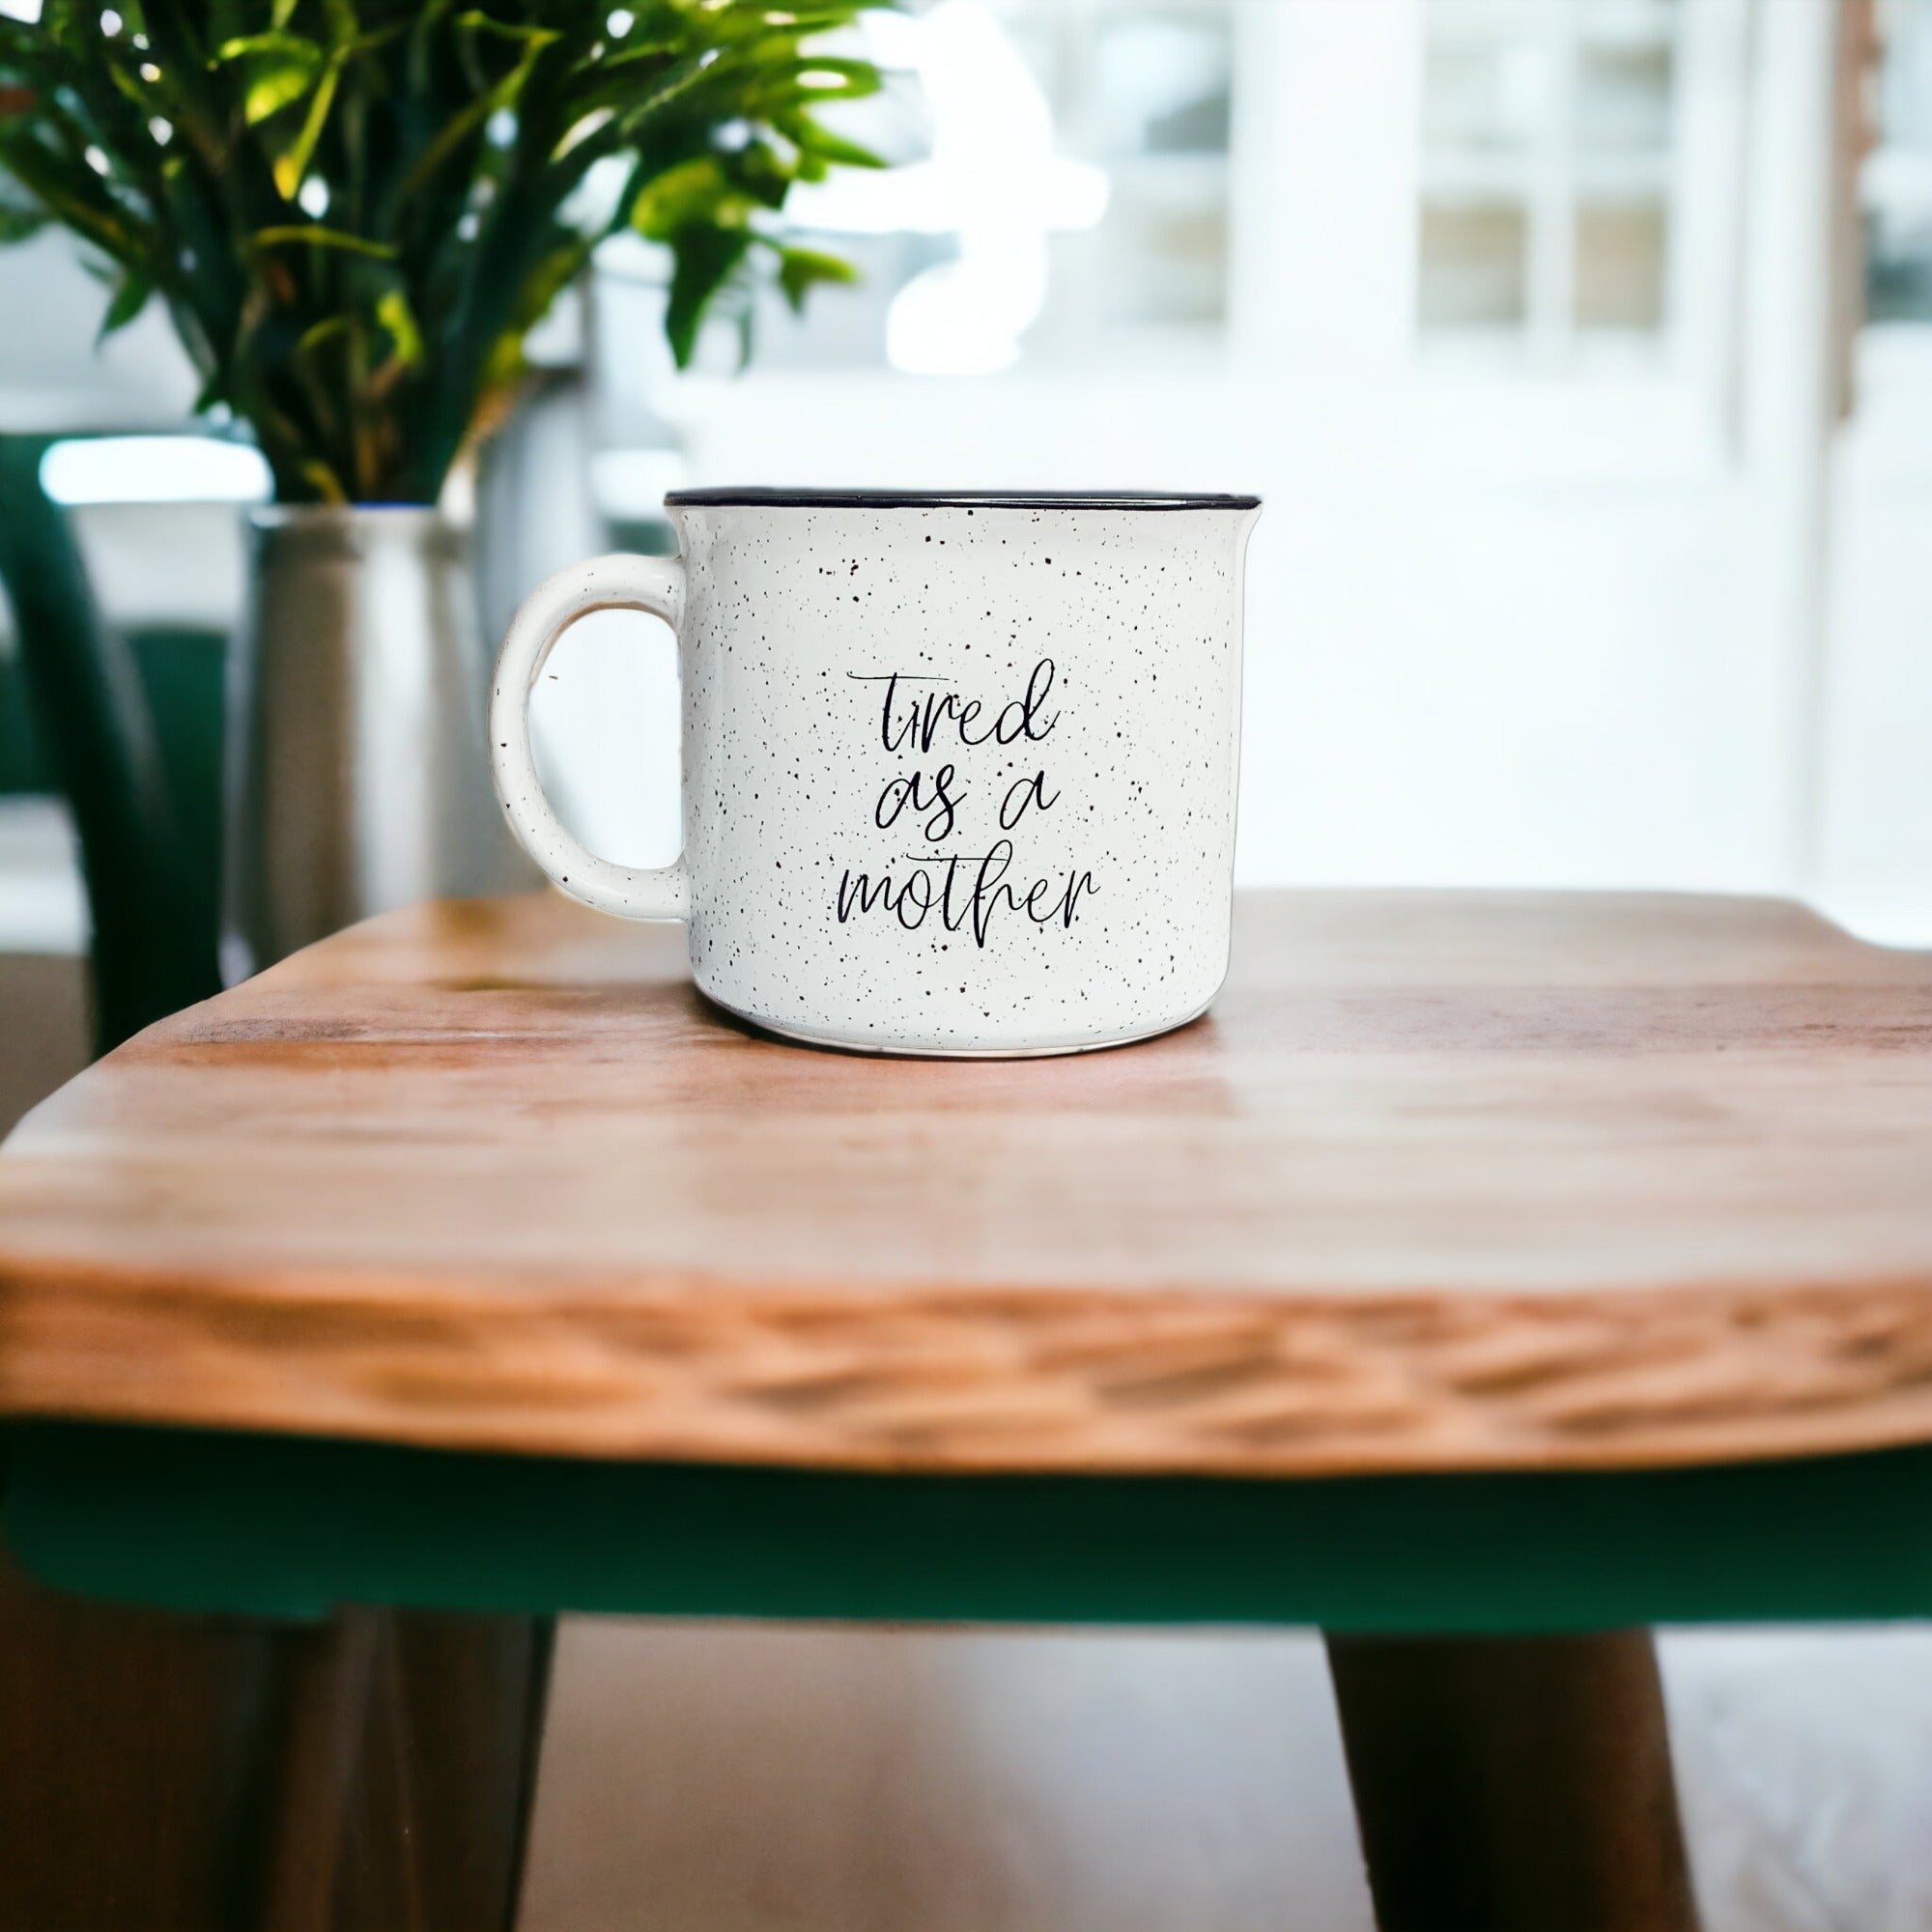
(357,776)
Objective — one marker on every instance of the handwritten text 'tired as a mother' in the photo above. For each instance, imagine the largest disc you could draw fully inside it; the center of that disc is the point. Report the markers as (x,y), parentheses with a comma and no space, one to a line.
(963,886)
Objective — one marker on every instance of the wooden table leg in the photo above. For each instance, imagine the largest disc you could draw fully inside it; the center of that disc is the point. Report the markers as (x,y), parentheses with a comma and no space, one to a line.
(407,1773)
(212,1775)
(1515,1784)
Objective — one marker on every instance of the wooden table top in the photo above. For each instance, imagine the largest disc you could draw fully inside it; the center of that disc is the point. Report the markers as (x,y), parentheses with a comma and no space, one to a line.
(1444,1181)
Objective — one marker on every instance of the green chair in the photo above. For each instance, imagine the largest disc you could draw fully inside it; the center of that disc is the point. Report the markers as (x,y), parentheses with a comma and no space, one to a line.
(128,729)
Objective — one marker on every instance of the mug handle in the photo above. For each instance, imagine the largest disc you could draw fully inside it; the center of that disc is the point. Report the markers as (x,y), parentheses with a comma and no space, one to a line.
(653,585)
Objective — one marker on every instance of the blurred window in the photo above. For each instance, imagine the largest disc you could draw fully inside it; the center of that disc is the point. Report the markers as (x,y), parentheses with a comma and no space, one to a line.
(1550,136)
(1144,90)
(1063,196)
(1896,186)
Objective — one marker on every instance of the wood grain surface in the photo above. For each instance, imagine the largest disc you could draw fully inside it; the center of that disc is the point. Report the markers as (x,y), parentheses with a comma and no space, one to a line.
(1443,1182)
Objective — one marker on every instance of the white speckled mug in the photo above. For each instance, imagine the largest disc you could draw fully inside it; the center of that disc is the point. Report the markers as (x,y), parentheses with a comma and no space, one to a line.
(958,770)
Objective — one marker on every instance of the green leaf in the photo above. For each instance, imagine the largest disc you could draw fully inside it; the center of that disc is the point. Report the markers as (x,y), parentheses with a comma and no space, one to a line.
(325,331)
(832,79)
(697,191)
(801,270)
(129,299)
(707,258)
(312,235)
(548,280)
(464,125)
(211,391)
(138,93)
(321,477)
(18,221)
(278,88)
(275,45)
(292,168)
(476,21)
(806,134)
(394,313)
(761,172)
(70,193)
(282,68)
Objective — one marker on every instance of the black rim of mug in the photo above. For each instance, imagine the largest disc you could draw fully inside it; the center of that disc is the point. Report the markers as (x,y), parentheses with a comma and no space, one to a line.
(951,500)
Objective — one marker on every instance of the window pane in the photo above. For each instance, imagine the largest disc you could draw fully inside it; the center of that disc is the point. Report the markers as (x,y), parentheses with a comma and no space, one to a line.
(1620,265)
(1167,259)
(1155,113)
(1904,83)
(1161,85)
(1623,99)
(1483,93)
(1898,268)
(1548,131)
(1628,22)
(1899,173)
(1474,265)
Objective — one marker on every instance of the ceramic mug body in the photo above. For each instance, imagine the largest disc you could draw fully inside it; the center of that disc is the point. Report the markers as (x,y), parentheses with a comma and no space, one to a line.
(959,771)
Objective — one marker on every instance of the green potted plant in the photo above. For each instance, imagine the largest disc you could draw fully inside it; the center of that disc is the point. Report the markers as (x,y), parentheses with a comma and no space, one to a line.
(354,212)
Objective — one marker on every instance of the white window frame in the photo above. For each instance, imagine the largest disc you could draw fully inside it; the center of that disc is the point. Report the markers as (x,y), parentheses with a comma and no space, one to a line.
(1330,152)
